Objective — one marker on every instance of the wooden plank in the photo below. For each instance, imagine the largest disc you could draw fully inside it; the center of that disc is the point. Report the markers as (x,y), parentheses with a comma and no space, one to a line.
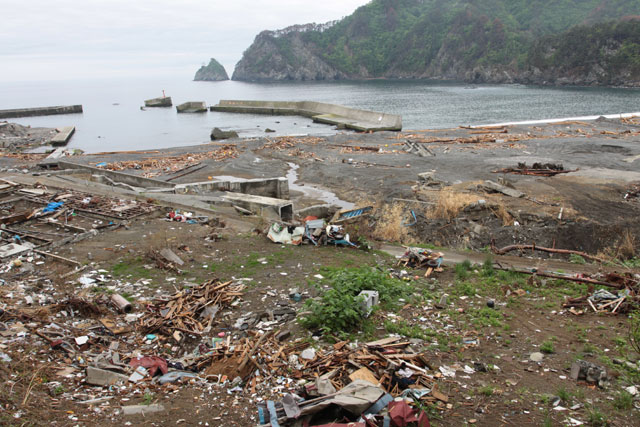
(364,374)
(383,342)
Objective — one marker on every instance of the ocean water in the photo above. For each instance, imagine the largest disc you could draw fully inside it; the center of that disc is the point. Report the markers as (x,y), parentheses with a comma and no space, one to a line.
(113,121)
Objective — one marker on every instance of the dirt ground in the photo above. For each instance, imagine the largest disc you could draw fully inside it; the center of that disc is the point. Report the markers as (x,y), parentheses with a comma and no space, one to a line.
(489,348)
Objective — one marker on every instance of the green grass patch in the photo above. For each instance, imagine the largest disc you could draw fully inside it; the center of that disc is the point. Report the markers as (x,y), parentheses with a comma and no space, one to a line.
(486,317)
(547,346)
(623,401)
(132,267)
(463,270)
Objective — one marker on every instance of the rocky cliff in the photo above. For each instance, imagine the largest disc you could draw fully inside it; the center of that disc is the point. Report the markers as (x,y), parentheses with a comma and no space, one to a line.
(271,58)
(481,41)
(212,72)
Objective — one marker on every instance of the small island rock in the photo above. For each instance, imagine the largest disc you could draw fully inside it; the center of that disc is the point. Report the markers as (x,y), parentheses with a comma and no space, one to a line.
(213,72)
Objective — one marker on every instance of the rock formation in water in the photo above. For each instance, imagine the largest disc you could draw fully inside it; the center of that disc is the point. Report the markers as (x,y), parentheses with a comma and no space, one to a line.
(213,72)
(482,41)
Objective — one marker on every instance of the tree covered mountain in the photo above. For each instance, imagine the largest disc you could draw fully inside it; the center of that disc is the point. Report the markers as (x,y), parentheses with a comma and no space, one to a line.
(470,40)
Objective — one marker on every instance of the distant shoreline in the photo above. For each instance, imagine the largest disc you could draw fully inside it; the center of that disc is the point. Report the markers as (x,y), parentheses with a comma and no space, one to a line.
(560,120)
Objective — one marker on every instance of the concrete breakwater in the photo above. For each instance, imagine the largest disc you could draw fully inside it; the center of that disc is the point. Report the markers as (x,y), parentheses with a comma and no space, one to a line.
(40,111)
(350,118)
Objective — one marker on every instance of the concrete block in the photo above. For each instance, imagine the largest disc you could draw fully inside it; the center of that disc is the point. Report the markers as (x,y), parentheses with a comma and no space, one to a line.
(102,377)
(371,299)
(142,409)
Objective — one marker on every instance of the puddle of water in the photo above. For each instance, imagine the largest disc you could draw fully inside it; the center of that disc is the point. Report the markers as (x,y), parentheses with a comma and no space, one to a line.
(314,192)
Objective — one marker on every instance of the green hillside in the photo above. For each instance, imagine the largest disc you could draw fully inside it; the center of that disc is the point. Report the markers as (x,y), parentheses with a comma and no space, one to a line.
(433,38)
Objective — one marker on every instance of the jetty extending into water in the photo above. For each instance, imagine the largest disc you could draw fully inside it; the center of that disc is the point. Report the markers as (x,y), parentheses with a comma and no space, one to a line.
(40,111)
(349,118)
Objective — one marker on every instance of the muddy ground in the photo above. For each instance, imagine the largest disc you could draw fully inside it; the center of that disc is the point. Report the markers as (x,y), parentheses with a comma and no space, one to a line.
(514,390)
(379,169)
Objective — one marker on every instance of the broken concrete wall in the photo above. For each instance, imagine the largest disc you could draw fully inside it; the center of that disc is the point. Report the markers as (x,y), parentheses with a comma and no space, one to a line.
(272,187)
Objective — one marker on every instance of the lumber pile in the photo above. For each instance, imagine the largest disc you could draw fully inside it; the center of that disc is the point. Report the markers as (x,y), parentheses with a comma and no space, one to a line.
(154,166)
(287,142)
(187,310)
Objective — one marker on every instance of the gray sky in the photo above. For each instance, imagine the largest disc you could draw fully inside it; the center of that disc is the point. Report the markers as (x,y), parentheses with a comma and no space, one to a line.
(63,39)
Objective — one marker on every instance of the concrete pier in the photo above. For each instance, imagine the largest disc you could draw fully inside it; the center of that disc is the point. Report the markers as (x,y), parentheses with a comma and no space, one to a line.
(40,111)
(63,136)
(350,118)
(192,107)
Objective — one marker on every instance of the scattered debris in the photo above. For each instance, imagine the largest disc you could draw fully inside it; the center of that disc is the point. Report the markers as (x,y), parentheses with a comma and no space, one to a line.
(183,310)
(422,258)
(537,169)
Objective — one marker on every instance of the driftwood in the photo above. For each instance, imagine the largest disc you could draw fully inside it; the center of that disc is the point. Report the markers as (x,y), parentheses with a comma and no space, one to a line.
(560,277)
(533,247)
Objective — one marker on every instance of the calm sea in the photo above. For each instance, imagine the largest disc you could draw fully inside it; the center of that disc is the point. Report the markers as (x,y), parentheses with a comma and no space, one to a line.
(113,120)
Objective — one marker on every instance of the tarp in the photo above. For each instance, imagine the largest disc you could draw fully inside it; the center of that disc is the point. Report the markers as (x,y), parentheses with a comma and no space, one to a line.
(356,398)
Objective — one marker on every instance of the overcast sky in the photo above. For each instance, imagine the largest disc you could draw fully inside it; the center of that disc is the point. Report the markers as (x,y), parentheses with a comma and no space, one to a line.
(67,39)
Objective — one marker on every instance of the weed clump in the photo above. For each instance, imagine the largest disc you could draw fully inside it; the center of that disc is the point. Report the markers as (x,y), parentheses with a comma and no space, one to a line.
(623,401)
(390,226)
(462,269)
(338,310)
(487,267)
(547,347)
(450,204)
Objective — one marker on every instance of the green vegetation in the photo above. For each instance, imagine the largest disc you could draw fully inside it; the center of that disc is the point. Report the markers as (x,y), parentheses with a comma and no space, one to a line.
(596,418)
(623,401)
(563,394)
(391,38)
(212,71)
(547,346)
(147,399)
(634,331)
(577,259)
(613,46)
(132,267)
(338,309)
(486,390)
(462,269)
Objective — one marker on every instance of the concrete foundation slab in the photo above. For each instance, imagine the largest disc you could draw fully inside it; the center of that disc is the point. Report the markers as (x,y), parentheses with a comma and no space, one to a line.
(14,249)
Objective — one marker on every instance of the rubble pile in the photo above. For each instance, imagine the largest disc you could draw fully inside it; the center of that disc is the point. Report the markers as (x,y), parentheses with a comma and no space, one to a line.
(156,166)
(185,310)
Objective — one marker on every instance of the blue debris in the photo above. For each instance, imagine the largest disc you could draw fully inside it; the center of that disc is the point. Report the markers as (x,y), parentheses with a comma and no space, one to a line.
(51,207)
